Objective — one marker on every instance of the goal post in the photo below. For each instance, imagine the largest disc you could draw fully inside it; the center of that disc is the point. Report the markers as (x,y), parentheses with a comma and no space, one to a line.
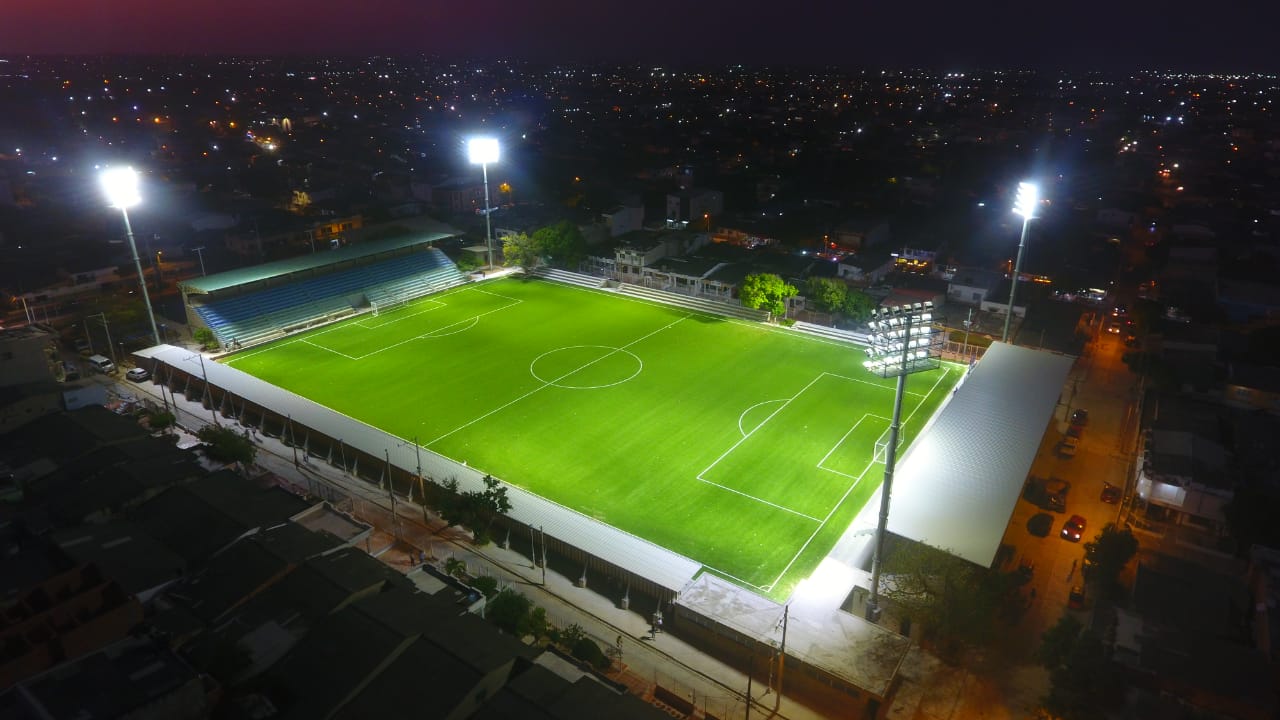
(881,452)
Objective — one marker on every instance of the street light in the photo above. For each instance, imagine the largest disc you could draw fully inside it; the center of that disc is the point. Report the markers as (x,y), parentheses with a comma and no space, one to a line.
(903,341)
(1024,205)
(482,151)
(121,186)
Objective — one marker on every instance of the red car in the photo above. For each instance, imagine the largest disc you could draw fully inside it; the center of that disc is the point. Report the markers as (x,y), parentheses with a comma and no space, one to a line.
(1074,529)
(1110,493)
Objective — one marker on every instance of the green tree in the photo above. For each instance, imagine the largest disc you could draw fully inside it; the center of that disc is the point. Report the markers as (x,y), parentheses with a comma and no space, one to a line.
(520,250)
(1106,555)
(767,291)
(455,567)
(858,306)
(474,509)
(226,445)
(486,584)
(562,244)
(825,294)
(204,336)
(509,610)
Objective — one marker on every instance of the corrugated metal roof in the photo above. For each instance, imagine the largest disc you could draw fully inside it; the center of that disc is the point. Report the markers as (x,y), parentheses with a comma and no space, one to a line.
(661,566)
(232,278)
(956,488)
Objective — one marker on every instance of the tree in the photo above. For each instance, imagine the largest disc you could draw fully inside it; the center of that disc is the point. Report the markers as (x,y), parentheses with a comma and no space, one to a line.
(474,509)
(767,291)
(226,445)
(520,250)
(1085,685)
(455,567)
(1106,555)
(204,336)
(562,244)
(956,600)
(1058,641)
(825,294)
(509,610)
(486,584)
(858,306)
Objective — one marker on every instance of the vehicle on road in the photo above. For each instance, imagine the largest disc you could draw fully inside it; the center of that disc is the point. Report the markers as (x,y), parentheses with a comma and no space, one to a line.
(138,374)
(1075,600)
(1110,493)
(1073,530)
(102,364)
(1080,417)
(1049,494)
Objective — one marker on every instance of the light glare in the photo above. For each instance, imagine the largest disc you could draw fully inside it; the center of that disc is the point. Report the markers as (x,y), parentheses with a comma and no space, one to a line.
(121,187)
(1025,203)
(482,150)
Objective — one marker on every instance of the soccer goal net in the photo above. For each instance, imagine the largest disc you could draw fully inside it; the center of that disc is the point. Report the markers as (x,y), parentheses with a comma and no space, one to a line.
(386,304)
(882,443)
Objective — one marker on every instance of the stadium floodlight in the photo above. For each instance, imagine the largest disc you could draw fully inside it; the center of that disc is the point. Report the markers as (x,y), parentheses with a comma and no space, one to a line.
(903,341)
(121,187)
(1024,205)
(482,151)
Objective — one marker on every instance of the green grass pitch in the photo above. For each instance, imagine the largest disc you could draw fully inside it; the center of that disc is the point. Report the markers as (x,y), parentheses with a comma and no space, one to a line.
(745,447)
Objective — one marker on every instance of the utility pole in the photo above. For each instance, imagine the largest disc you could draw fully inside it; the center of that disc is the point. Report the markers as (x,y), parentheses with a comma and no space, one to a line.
(391,490)
(200,254)
(293,441)
(543,533)
(111,350)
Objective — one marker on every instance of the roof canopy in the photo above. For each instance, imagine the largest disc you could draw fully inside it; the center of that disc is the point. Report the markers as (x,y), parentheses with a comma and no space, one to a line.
(956,488)
(279,268)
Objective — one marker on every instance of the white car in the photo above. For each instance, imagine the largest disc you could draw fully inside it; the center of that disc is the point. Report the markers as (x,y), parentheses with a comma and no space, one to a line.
(138,374)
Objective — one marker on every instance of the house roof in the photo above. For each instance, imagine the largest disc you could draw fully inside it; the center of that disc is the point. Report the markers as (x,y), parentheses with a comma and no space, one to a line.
(124,553)
(957,485)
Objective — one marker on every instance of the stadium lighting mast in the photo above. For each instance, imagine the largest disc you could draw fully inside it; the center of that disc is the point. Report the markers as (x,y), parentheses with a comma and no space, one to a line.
(1024,205)
(121,187)
(903,341)
(482,151)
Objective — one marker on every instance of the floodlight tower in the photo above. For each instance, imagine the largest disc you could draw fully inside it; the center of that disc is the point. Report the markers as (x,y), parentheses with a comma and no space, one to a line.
(121,187)
(1024,205)
(903,341)
(482,151)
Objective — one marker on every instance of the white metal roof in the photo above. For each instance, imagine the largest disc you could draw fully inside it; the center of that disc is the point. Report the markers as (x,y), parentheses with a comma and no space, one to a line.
(661,566)
(956,488)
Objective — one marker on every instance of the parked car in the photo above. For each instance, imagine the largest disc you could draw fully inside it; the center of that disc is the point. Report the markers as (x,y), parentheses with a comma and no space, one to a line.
(1068,446)
(1080,417)
(1075,600)
(1110,493)
(138,374)
(1074,529)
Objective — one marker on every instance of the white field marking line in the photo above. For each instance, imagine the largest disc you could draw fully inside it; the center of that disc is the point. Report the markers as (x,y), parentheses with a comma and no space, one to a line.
(841,442)
(546,385)
(321,347)
(843,497)
(760,500)
(432,333)
(357,322)
(764,422)
(436,305)
(735,578)
(868,382)
(438,334)
(753,407)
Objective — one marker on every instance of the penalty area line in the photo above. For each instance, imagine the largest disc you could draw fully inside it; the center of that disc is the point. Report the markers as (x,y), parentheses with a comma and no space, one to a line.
(759,500)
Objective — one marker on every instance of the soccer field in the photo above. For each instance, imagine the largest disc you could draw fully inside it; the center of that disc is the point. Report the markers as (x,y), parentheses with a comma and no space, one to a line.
(746,447)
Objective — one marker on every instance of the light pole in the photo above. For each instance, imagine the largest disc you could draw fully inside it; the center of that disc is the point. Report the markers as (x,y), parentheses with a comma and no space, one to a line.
(111,350)
(1024,205)
(121,186)
(200,254)
(902,342)
(482,151)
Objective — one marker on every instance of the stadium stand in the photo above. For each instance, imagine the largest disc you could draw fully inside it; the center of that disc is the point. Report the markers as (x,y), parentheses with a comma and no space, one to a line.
(832,333)
(569,278)
(268,304)
(694,303)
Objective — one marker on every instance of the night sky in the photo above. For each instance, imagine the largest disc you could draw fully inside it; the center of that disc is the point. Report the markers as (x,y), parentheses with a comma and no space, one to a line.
(1221,36)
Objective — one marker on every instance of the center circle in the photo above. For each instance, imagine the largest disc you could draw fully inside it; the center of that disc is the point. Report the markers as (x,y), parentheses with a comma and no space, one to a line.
(585,367)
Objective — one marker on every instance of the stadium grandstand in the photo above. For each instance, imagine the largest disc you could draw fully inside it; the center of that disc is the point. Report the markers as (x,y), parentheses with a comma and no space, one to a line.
(260,303)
